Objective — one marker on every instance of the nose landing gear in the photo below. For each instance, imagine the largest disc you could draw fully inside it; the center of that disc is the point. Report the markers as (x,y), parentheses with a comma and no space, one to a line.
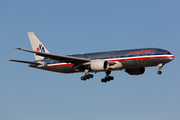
(160,67)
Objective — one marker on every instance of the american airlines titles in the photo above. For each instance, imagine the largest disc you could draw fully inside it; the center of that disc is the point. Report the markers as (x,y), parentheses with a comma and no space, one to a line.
(140,52)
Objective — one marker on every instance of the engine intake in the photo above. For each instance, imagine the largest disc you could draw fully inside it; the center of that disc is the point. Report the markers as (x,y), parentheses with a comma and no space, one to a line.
(135,71)
(99,65)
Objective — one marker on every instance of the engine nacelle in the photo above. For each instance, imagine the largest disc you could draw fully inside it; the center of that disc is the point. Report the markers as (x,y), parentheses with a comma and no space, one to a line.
(135,71)
(99,65)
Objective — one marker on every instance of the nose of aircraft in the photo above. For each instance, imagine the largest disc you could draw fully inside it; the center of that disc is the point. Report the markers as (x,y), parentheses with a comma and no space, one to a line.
(171,57)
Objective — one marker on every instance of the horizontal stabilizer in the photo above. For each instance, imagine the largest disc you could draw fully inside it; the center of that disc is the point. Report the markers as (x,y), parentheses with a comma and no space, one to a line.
(27,62)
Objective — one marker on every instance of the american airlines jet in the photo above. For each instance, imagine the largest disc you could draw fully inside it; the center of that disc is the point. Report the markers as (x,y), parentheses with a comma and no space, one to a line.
(133,61)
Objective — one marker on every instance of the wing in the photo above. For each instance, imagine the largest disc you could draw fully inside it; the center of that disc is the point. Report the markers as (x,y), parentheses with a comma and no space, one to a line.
(62,58)
(28,62)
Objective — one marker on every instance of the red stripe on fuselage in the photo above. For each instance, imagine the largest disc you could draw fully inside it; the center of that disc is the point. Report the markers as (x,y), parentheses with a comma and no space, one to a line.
(60,64)
(138,58)
(120,59)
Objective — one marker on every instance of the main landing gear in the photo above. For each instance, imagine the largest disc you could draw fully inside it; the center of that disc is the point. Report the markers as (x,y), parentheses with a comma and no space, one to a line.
(107,78)
(160,67)
(87,76)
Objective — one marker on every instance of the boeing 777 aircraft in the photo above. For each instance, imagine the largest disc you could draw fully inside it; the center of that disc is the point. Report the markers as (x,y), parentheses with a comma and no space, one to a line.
(132,61)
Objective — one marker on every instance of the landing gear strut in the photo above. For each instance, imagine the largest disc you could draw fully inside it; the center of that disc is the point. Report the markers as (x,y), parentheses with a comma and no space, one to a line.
(160,67)
(107,77)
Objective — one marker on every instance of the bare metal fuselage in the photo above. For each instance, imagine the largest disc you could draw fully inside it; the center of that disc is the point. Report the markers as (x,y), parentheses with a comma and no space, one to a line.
(135,58)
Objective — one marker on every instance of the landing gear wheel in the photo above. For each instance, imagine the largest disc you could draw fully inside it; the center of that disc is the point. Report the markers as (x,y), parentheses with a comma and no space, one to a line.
(107,77)
(82,78)
(91,76)
(111,78)
(103,80)
(159,72)
(87,76)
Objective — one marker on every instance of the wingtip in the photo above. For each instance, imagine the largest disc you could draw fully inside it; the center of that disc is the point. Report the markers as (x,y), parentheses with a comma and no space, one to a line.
(18,48)
(9,60)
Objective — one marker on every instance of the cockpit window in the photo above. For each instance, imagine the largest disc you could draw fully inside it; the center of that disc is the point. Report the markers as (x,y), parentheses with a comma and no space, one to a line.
(165,53)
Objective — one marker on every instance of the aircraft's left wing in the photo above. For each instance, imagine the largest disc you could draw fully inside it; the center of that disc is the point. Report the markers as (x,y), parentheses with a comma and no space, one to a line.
(62,58)
(27,62)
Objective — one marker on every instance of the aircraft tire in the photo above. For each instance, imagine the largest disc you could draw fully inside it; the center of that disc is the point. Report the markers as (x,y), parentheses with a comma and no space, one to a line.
(103,80)
(91,76)
(88,76)
(159,72)
(82,78)
(111,78)
(108,78)
(85,78)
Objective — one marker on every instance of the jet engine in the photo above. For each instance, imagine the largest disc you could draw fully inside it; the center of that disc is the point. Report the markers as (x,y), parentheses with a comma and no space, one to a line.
(99,65)
(135,71)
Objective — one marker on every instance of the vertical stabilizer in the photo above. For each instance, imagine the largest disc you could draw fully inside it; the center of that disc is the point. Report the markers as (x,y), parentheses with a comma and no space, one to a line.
(37,45)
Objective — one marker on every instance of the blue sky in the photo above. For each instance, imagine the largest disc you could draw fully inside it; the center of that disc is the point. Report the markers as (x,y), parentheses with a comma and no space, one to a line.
(72,27)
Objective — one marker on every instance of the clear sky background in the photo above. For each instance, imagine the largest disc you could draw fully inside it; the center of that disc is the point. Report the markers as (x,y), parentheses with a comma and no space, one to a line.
(78,26)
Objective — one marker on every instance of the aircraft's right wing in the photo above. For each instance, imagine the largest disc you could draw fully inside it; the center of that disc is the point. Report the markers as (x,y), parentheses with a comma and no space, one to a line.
(62,58)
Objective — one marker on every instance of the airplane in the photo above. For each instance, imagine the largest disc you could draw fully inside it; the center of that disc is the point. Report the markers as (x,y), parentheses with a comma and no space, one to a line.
(133,61)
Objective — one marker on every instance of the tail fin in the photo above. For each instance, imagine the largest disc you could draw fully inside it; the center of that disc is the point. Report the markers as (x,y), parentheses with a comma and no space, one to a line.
(37,45)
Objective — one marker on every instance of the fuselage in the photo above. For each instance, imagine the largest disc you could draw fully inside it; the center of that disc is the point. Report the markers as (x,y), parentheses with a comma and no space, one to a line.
(133,58)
